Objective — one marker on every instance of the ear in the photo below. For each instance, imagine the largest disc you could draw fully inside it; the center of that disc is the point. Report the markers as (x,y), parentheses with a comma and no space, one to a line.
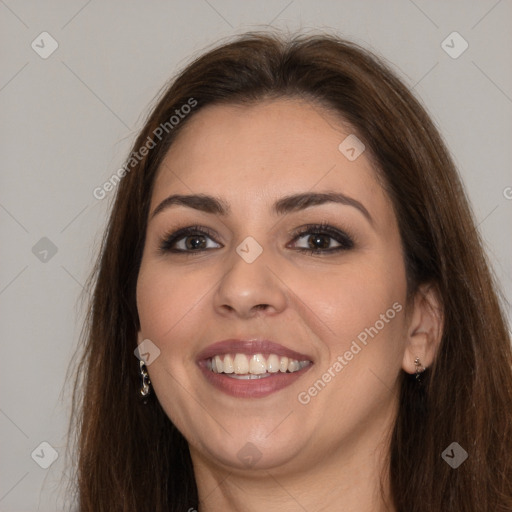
(424,329)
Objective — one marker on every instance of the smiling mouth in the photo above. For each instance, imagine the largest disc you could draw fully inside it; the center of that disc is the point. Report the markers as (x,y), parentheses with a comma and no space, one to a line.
(256,366)
(251,368)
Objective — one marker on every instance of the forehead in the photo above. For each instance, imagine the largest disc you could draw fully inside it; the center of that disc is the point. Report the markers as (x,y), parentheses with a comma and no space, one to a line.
(265,150)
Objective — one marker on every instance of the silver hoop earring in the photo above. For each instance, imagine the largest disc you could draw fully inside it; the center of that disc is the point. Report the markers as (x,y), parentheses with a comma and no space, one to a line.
(145,388)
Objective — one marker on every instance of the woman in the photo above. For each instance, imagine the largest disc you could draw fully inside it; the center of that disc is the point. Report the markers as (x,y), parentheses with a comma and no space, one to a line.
(293,261)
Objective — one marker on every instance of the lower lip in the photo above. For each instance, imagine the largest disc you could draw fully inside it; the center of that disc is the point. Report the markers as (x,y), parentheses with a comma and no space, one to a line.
(251,388)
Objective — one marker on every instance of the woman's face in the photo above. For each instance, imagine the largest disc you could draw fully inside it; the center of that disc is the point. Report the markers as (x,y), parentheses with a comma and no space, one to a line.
(279,316)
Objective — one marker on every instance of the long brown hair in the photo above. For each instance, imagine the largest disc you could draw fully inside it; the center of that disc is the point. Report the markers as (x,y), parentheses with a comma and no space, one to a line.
(131,457)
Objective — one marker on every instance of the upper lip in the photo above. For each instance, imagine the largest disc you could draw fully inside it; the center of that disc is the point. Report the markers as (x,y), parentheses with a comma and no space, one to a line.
(250,347)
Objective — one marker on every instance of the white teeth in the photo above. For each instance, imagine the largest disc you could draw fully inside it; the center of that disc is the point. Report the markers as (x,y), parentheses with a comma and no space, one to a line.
(242,366)
(257,364)
(293,365)
(219,364)
(228,364)
(249,376)
(273,363)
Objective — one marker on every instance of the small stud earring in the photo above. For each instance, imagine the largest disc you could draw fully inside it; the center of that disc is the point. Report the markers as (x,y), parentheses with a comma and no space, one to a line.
(145,385)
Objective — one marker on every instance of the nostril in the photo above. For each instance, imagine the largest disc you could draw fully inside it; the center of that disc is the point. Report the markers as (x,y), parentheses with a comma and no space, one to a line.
(261,306)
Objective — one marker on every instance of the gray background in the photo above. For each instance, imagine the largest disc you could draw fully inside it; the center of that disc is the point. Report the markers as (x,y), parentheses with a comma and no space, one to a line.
(68,122)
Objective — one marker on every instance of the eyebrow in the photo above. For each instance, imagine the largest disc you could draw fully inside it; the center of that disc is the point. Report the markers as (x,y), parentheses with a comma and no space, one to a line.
(288,204)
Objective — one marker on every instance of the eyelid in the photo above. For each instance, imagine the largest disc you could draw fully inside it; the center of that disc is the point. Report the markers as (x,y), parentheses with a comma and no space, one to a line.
(345,240)
(173,236)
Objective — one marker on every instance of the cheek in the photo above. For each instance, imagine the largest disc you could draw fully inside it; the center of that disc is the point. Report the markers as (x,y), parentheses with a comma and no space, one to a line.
(359,320)
(169,304)
(165,297)
(359,311)
(354,301)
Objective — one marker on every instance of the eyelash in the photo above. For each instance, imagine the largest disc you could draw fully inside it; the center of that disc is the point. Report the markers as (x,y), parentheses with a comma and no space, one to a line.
(346,242)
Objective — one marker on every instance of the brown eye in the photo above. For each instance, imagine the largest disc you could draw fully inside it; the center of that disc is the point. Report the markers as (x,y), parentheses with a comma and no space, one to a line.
(189,240)
(319,241)
(195,242)
(322,239)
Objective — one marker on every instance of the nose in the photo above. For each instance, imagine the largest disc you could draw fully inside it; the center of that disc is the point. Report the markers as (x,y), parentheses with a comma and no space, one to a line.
(249,289)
